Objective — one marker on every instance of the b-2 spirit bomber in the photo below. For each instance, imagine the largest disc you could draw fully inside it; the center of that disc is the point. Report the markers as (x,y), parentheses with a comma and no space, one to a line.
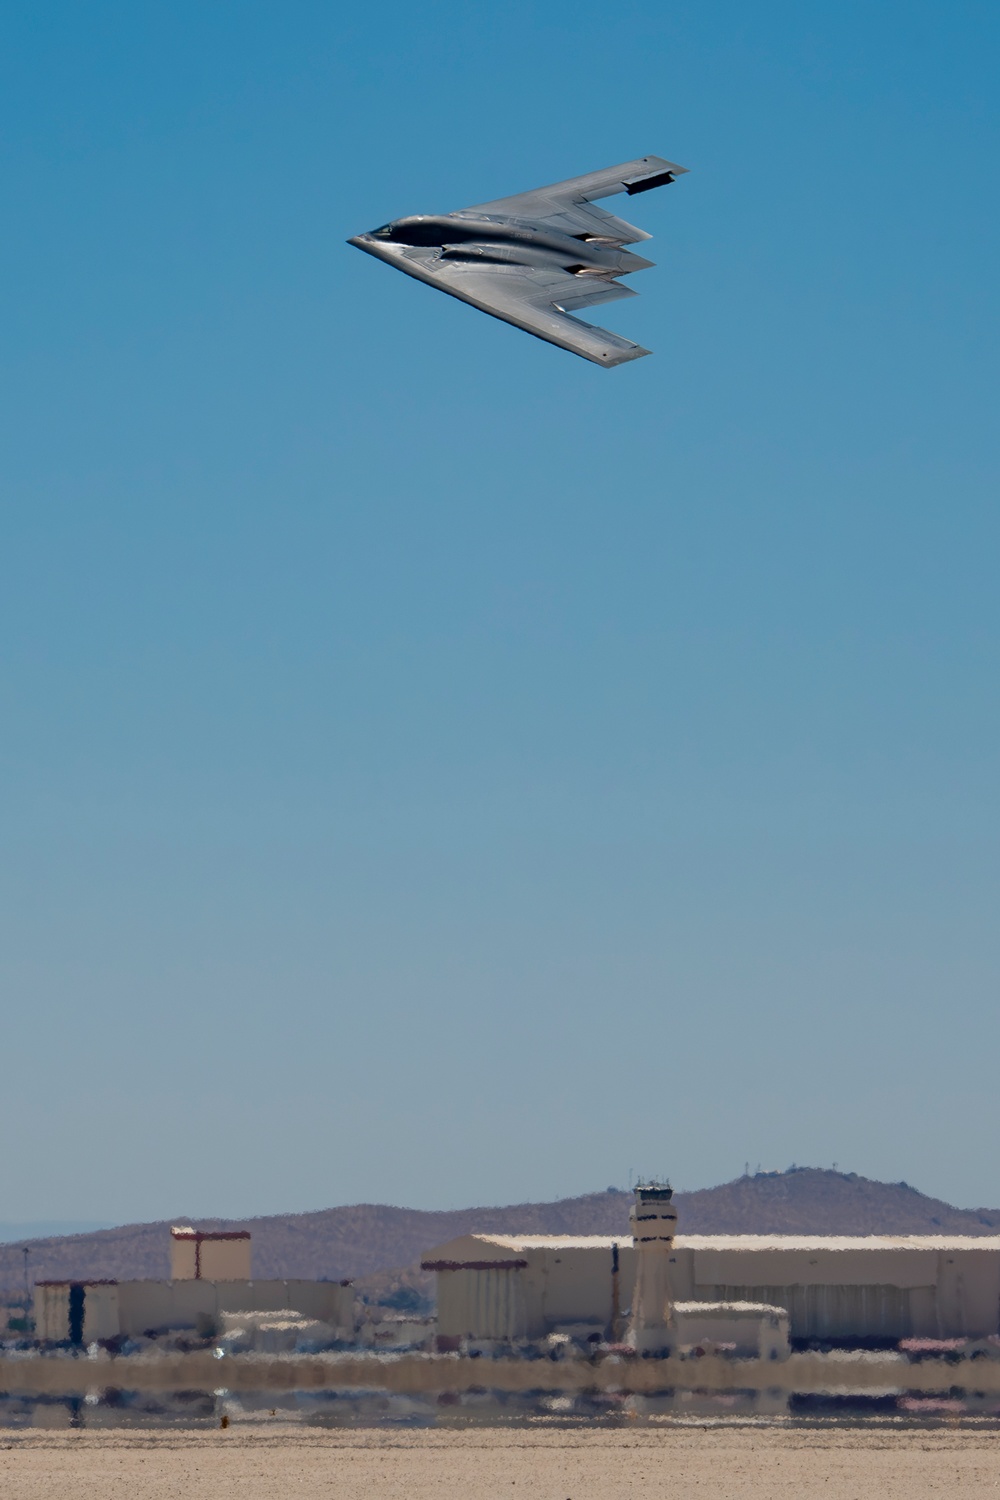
(534,259)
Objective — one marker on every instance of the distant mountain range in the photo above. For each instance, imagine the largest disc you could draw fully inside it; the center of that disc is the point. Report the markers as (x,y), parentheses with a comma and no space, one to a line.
(365,1240)
(38,1229)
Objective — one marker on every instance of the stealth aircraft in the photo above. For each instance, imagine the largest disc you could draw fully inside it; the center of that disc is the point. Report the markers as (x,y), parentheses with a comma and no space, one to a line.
(534,259)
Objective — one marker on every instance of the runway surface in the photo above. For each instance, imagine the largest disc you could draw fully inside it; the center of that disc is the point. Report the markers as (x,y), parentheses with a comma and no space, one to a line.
(259,1462)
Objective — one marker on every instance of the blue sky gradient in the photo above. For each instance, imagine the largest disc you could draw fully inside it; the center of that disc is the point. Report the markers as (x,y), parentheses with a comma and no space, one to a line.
(435,769)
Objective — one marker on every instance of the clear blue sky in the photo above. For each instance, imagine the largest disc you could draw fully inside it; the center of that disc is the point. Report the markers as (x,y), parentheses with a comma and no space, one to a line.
(435,769)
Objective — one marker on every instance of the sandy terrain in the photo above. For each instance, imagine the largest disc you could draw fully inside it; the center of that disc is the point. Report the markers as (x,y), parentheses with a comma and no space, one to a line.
(261,1463)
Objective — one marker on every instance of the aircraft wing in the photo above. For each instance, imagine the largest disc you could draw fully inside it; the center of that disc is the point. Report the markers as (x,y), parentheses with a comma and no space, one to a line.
(568,205)
(540,301)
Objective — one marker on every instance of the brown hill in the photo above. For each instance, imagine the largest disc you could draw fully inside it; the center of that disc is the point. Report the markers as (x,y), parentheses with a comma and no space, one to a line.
(811,1200)
(365,1238)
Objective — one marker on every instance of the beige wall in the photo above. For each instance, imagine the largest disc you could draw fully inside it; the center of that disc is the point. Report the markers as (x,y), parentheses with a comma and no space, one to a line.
(482,1304)
(183,1259)
(864,1290)
(554,1287)
(134,1308)
(100,1311)
(834,1312)
(837,1289)
(157,1305)
(225,1260)
(968,1289)
(210,1257)
(52,1312)
(575,1286)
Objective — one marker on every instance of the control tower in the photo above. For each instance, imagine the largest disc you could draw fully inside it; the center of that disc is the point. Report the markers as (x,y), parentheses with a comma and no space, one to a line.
(653,1218)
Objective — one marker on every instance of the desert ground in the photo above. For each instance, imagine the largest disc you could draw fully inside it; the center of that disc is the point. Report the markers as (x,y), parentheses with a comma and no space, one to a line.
(258,1463)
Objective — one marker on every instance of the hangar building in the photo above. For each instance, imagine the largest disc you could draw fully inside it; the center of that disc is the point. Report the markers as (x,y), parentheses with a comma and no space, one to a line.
(850,1290)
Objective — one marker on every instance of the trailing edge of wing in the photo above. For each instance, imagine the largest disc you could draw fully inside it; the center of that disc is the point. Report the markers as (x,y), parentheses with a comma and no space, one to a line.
(606,291)
(628,177)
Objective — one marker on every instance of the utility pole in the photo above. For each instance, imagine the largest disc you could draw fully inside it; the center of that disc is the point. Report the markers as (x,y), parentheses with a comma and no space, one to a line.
(26,1251)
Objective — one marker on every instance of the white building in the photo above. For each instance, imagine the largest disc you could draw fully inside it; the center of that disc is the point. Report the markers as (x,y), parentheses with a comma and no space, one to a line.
(748,1329)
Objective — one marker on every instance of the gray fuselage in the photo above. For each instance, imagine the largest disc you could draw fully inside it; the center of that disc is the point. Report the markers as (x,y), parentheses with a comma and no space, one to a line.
(503,241)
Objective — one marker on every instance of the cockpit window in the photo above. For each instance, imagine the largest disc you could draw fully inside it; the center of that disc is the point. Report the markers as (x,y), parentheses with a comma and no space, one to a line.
(384,233)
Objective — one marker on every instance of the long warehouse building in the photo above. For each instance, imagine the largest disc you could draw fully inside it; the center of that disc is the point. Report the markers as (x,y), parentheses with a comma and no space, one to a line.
(880,1288)
(86,1311)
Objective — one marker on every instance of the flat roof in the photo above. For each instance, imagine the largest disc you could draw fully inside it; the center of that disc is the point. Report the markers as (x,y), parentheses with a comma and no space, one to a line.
(734,1309)
(553,1241)
(185,1232)
(80,1281)
(838,1242)
(519,1244)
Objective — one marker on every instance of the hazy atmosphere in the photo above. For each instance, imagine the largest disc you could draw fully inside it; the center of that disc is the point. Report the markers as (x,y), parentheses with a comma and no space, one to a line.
(438,771)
